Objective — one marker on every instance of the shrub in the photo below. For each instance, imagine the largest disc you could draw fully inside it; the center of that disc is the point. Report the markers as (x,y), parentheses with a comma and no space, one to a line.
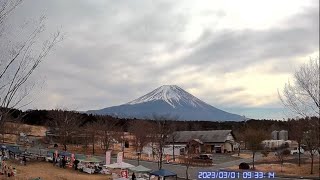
(244,166)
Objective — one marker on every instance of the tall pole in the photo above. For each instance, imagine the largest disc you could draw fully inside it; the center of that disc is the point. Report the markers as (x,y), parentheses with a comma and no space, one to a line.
(245,128)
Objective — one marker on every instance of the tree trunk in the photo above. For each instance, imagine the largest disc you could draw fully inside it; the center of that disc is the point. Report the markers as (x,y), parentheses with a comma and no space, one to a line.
(311,171)
(124,141)
(187,173)
(86,141)
(152,151)
(174,159)
(138,159)
(253,153)
(160,161)
(107,146)
(65,146)
(160,157)
(299,161)
(93,139)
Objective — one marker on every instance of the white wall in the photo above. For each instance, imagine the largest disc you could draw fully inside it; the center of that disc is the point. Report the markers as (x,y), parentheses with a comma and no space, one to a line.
(230,137)
(273,143)
(167,150)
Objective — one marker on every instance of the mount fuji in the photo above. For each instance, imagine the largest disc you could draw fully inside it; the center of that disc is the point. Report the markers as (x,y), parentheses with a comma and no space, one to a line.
(168,100)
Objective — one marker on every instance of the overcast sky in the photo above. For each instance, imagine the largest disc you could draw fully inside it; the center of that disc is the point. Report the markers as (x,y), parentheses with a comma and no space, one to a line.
(234,55)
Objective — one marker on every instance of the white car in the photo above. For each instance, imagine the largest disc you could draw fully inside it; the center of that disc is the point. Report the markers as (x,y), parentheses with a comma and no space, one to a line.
(296,150)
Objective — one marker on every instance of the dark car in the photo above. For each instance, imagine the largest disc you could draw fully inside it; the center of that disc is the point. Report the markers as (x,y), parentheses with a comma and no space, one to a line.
(204,156)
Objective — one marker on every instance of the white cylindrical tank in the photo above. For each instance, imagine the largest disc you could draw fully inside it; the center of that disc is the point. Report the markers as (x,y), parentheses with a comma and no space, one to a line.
(283,135)
(275,135)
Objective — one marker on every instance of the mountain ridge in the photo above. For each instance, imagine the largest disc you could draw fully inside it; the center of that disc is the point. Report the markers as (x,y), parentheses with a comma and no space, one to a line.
(168,99)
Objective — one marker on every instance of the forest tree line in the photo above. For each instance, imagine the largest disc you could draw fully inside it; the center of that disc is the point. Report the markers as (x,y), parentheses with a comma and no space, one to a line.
(43,118)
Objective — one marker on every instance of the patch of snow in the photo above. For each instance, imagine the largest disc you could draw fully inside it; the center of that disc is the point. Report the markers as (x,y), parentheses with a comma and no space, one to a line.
(171,94)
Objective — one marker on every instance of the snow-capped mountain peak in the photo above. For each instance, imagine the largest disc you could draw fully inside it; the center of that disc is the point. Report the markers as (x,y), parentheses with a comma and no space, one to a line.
(171,94)
(172,100)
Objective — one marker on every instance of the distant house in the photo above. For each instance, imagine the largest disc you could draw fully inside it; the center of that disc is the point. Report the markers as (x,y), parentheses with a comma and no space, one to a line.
(214,141)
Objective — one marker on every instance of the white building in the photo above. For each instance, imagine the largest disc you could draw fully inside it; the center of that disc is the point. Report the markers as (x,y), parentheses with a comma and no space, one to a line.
(272,144)
(168,149)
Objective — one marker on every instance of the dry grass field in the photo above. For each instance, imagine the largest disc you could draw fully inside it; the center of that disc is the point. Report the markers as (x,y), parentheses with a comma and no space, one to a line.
(291,169)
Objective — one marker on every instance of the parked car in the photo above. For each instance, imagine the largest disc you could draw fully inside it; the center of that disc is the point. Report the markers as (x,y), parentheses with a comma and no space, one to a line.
(205,156)
(296,150)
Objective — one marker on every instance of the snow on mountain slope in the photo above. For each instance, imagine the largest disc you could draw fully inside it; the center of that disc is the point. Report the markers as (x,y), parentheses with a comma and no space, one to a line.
(168,99)
(172,94)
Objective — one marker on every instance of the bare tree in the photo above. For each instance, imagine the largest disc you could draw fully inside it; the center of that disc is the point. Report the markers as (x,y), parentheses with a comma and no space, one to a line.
(281,155)
(13,126)
(104,131)
(7,6)
(108,132)
(187,160)
(141,131)
(311,139)
(173,138)
(302,97)
(92,130)
(65,124)
(21,60)
(296,131)
(240,138)
(254,138)
(161,130)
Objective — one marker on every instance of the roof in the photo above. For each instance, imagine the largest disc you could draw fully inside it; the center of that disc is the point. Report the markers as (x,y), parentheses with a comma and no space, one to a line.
(14,150)
(92,160)
(139,169)
(203,136)
(119,165)
(198,140)
(65,153)
(163,173)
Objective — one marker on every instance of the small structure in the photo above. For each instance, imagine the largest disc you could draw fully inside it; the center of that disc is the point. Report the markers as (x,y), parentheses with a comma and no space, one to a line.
(121,165)
(163,173)
(274,144)
(215,141)
(279,135)
(140,169)
(91,160)
(168,149)
(275,135)
(88,164)
(283,135)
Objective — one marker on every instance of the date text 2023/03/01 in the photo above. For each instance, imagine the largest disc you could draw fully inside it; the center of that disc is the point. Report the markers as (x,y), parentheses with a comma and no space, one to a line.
(235,175)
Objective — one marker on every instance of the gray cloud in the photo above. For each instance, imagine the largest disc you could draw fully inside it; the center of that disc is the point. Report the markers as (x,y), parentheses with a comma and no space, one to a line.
(107,57)
(232,50)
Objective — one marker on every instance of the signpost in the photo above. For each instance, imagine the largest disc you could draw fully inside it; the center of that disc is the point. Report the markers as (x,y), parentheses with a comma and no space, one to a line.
(120,157)
(72,160)
(108,157)
(124,174)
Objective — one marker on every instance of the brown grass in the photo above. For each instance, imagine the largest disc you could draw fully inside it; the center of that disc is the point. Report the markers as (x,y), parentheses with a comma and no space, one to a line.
(243,155)
(47,171)
(37,130)
(287,169)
